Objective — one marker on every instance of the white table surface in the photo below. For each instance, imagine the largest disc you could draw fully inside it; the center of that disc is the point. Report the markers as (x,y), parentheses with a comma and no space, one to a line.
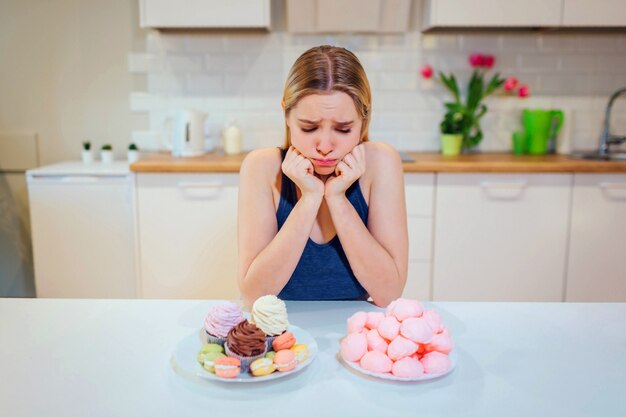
(113,358)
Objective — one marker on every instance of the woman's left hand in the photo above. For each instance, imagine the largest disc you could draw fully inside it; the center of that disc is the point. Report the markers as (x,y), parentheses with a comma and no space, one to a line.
(348,170)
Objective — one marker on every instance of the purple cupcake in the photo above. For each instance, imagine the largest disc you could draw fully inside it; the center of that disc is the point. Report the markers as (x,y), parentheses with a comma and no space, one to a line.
(220,320)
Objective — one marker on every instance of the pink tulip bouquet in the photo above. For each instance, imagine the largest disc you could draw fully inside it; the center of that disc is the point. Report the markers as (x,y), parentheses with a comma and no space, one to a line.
(468,113)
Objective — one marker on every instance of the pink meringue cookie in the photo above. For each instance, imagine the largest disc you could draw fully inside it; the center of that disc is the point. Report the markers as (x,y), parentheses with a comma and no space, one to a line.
(407,368)
(221,318)
(403,308)
(435,362)
(441,342)
(375,361)
(433,319)
(401,348)
(353,347)
(356,322)
(373,319)
(417,330)
(389,328)
(376,342)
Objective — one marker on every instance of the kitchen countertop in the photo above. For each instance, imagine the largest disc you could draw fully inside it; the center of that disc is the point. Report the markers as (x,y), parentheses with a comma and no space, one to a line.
(424,162)
(113,358)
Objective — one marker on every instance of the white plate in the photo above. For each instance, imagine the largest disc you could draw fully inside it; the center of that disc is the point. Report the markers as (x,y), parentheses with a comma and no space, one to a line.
(186,352)
(389,376)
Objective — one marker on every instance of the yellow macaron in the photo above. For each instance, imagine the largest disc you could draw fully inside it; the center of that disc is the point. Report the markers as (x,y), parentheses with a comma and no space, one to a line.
(301,352)
(262,367)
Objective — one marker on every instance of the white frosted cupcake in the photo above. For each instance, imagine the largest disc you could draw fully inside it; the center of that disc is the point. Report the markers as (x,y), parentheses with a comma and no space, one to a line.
(269,313)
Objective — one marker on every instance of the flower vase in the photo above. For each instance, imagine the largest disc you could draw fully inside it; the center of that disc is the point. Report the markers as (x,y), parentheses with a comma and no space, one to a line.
(451,143)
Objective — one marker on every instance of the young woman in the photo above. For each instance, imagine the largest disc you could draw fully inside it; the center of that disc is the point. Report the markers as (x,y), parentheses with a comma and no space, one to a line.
(324,218)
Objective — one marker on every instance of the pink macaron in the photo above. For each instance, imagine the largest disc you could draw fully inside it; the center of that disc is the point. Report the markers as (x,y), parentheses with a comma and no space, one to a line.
(377,362)
(284,341)
(356,322)
(353,347)
(285,360)
(401,347)
(435,362)
(389,327)
(376,342)
(403,308)
(407,368)
(417,330)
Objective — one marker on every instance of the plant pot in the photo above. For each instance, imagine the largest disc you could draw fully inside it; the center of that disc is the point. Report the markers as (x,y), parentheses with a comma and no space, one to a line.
(87,156)
(133,156)
(451,143)
(106,156)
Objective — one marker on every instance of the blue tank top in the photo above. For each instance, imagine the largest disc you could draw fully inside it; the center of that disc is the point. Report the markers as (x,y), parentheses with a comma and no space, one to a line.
(323,272)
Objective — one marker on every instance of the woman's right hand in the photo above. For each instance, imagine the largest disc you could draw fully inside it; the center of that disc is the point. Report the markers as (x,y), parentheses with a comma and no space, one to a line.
(300,170)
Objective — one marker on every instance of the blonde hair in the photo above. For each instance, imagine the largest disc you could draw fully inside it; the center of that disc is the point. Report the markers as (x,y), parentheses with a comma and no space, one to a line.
(324,70)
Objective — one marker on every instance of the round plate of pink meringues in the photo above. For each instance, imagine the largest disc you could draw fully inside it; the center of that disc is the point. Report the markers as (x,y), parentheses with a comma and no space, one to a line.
(404,343)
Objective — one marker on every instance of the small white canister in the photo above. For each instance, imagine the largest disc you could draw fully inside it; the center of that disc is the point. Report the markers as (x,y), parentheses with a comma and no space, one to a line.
(231,135)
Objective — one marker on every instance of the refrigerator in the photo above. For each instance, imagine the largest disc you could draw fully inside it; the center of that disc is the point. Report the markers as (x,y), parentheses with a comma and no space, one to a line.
(83,230)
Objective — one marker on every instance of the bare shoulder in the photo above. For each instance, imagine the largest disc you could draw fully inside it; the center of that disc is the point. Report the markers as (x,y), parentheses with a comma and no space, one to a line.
(381,156)
(262,163)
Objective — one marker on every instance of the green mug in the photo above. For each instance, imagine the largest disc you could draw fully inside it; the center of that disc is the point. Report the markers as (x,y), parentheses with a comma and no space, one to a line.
(541,126)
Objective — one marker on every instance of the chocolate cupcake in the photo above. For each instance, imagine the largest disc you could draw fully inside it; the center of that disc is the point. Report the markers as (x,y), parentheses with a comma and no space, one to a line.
(246,342)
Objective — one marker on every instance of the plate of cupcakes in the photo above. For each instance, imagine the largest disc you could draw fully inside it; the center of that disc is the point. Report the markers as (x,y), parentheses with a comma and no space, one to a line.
(234,348)
(406,342)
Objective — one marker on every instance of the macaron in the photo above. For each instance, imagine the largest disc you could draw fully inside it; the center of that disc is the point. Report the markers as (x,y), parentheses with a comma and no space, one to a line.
(206,348)
(301,351)
(227,367)
(270,354)
(284,341)
(285,360)
(262,367)
(209,360)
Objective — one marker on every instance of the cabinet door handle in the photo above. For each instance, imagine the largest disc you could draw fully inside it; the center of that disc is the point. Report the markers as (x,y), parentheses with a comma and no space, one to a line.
(503,185)
(613,185)
(189,184)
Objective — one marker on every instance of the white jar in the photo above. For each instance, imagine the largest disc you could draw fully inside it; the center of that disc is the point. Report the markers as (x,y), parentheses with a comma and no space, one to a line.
(232,139)
(106,156)
(133,156)
(87,156)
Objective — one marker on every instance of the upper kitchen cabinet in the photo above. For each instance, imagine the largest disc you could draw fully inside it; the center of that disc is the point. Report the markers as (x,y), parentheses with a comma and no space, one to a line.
(204,14)
(341,16)
(502,14)
(599,13)
(491,13)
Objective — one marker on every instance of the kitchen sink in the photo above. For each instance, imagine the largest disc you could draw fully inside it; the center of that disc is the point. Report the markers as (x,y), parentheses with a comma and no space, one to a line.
(595,156)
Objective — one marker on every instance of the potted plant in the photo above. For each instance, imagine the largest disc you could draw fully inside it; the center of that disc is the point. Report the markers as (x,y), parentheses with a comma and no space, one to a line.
(87,154)
(478,88)
(133,153)
(451,128)
(106,153)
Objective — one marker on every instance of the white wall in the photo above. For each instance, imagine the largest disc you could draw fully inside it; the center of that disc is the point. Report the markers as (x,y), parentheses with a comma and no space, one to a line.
(64,72)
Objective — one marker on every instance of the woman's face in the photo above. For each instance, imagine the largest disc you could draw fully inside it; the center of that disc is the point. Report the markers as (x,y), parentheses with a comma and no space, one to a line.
(324,128)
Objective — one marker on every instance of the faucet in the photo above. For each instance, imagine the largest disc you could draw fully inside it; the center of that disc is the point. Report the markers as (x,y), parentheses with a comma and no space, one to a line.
(607,138)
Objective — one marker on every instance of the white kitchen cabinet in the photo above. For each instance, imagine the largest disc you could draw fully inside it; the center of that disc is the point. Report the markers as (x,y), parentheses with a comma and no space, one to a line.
(188,235)
(204,13)
(419,190)
(500,237)
(340,16)
(491,13)
(597,13)
(596,269)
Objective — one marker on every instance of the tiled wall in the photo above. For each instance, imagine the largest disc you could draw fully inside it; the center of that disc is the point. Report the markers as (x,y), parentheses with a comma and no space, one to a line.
(241,76)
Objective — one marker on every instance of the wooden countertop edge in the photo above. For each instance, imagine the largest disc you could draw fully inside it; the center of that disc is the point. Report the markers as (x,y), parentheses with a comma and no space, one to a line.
(424,162)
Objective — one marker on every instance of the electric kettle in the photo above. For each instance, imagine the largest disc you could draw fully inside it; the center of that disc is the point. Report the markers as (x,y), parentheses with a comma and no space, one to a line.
(188,133)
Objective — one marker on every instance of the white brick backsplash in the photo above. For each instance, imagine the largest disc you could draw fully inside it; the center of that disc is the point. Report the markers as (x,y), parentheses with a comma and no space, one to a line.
(204,84)
(143,63)
(577,63)
(166,84)
(241,75)
(532,63)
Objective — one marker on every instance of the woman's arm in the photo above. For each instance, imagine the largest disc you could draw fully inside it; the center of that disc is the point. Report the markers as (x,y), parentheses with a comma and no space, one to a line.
(378,253)
(267,256)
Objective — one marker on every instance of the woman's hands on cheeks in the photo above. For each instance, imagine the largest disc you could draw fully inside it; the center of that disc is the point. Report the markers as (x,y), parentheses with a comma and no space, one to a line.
(300,170)
(348,170)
